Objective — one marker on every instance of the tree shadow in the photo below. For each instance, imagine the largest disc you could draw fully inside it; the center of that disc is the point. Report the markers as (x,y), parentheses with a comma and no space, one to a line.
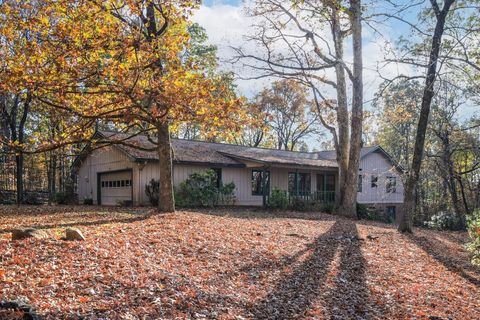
(81,223)
(296,292)
(457,261)
(265,213)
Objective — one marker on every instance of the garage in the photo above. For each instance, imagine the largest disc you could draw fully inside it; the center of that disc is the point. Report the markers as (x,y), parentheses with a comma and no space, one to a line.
(115,188)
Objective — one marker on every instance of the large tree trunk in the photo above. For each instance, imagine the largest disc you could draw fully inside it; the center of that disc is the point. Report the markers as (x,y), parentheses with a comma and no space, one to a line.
(166,201)
(405,216)
(348,207)
(342,145)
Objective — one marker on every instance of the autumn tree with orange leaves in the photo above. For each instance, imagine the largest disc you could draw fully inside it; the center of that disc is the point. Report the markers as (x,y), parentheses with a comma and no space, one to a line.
(119,62)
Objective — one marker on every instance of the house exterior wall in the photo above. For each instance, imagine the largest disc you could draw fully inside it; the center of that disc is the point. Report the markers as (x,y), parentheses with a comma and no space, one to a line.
(112,159)
(101,160)
(240,176)
(375,164)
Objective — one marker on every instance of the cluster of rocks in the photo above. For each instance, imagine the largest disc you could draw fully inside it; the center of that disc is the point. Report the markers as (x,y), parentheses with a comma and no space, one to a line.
(71,234)
(18,305)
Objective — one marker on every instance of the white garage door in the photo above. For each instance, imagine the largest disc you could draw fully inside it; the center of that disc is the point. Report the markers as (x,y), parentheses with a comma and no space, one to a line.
(115,188)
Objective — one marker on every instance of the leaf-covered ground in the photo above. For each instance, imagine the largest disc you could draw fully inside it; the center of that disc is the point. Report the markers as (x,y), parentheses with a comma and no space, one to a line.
(233,264)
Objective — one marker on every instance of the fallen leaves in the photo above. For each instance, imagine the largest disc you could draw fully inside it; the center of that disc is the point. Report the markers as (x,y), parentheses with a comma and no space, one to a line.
(229,264)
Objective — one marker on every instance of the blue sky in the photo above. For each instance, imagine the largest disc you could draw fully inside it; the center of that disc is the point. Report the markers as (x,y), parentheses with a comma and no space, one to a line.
(227,25)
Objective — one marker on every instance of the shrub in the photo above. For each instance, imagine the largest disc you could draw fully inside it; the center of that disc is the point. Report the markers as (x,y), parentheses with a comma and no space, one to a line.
(299,204)
(444,220)
(474,231)
(366,213)
(227,194)
(88,201)
(152,191)
(278,199)
(327,207)
(200,190)
(64,197)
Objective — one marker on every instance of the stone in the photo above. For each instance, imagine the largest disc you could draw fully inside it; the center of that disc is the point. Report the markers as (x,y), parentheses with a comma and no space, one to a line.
(20,234)
(72,234)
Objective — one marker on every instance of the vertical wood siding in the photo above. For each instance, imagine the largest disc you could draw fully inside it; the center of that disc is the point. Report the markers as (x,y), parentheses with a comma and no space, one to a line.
(101,160)
(375,164)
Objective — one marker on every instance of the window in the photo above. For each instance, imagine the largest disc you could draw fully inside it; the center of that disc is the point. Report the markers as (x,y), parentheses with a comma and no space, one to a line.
(128,183)
(218,176)
(304,183)
(326,182)
(110,184)
(360,181)
(391,184)
(257,189)
(103,184)
(122,183)
(374,182)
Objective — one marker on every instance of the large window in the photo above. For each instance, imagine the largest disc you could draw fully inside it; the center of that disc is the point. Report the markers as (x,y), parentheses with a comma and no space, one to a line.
(391,185)
(326,182)
(360,183)
(257,186)
(304,181)
(218,176)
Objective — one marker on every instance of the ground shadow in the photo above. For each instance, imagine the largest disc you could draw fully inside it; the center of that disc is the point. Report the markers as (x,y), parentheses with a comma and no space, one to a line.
(265,213)
(453,261)
(134,218)
(296,292)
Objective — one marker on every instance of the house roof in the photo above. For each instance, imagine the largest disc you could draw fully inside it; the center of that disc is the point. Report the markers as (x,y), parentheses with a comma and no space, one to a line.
(192,151)
(222,154)
(331,155)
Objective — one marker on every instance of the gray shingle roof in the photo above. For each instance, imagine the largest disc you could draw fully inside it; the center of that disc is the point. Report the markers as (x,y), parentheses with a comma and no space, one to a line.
(190,151)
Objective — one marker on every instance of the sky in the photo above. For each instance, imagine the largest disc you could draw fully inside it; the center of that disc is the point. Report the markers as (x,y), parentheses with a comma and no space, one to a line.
(227,25)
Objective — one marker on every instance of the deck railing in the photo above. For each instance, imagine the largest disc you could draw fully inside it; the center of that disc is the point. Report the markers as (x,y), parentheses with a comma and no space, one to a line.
(321,197)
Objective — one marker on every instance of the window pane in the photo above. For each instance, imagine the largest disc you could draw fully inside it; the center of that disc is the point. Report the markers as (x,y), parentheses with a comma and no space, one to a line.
(257,182)
(291,182)
(391,184)
(123,183)
(359,187)
(374,182)
(110,184)
(330,182)
(218,176)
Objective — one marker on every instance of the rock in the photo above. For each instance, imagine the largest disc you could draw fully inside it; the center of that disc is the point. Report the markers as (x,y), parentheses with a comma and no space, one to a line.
(20,234)
(20,305)
(370,237)
(72,234)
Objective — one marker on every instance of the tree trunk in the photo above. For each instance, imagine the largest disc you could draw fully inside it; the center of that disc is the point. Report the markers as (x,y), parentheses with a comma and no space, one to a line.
(342,113)
(405,219)
(166,201)
(348,207)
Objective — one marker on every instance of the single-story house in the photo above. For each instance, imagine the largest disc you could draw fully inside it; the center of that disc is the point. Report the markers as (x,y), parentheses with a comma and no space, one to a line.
(118,173)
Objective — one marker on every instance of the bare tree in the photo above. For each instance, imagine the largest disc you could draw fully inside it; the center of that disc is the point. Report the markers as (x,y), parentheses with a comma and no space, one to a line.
(305,41)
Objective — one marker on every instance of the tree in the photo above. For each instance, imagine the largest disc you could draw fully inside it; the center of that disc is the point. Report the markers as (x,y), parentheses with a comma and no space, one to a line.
(293,47)
(397,107)
(288,112)
(405,221)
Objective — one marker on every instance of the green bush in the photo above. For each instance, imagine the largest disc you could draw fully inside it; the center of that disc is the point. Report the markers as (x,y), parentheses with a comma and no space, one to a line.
(444,220)
(473,247)
(366,213)
(299,204)
(278,199)
(200,190)
(64,197)
(88,201)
